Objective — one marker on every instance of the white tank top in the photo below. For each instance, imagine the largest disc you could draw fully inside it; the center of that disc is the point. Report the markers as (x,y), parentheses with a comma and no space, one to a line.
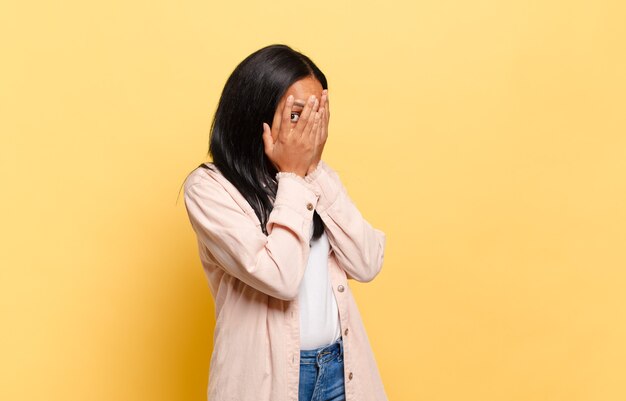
(319,315)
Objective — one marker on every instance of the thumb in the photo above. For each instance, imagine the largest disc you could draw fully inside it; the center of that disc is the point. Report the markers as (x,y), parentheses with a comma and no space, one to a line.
(267,138)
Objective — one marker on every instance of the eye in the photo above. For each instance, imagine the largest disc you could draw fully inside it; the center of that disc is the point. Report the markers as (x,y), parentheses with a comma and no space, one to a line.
(296,115)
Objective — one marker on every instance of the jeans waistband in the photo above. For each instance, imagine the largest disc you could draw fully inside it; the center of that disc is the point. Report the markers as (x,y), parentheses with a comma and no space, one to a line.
(322,354)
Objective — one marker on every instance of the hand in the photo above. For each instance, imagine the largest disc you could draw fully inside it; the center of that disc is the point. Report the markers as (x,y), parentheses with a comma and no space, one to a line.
(325,112)
(295,147)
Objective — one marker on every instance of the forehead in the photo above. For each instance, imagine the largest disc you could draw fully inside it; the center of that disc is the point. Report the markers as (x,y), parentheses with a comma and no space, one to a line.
(303,88)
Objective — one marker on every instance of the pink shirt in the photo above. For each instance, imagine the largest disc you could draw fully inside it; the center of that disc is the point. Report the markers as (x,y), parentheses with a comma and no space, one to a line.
(254,280)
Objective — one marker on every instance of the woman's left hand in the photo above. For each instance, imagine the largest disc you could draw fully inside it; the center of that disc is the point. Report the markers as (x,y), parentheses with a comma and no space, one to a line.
(323,131)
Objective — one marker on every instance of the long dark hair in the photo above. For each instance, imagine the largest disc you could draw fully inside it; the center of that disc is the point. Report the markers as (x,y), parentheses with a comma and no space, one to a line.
(249,98)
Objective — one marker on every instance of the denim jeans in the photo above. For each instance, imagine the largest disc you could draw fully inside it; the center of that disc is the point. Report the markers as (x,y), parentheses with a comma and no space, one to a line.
(321,373)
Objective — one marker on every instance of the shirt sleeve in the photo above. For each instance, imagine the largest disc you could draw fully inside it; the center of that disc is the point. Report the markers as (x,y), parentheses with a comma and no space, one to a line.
(273,264)
(358,246)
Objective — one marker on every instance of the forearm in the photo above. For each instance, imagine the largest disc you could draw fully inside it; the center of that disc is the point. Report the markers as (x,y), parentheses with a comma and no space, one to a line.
(273,264)
(358,246)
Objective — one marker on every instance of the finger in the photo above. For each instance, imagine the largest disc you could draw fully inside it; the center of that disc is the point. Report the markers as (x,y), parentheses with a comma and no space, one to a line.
(311,119)
(286,115)
(323,101)
(323,125)
(305,115)
(322,108)
(311,130)
(318,130)
(319,133)
(327,106)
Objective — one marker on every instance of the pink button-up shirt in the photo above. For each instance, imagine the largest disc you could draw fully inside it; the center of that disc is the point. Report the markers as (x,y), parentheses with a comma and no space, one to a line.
(254,280)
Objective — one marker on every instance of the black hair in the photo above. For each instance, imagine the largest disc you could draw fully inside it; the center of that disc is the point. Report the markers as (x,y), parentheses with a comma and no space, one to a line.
(249,98)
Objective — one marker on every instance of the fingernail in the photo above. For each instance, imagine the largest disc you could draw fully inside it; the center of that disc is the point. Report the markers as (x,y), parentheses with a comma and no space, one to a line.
(312,99)
(289,98)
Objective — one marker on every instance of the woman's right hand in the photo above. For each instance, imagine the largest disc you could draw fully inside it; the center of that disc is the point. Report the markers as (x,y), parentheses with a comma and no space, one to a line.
(294,147)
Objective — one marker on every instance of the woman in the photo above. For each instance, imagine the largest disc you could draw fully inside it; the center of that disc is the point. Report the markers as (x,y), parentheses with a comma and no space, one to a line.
(278,238)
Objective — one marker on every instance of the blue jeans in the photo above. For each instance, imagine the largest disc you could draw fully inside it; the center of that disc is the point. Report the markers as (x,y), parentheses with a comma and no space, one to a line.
(321,373)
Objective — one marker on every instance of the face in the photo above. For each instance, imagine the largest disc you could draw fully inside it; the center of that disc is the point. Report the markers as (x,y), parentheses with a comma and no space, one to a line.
(301,90)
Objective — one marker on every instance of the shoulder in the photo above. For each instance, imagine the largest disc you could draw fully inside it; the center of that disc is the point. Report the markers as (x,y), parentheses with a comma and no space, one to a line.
(206,174)
(206,182)
(207,188)
(203,189)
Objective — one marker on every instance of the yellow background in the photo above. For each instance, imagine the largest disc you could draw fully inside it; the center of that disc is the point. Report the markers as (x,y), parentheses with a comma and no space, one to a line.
(486,138)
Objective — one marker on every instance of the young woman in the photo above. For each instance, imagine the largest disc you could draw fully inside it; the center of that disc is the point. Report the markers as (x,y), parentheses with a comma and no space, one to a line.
(279,237)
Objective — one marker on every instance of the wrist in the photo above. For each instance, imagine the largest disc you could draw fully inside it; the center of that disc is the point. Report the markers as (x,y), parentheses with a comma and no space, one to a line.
(314,172)
(290,173)
(312,167)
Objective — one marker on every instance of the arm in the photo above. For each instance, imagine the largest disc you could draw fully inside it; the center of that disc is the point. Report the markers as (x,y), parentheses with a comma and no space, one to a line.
(273,264)
(358,246)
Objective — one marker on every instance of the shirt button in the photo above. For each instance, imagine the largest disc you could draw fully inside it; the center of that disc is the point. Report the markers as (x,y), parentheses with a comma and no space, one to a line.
(340,288)
(309,206)
(350,376)
(345,332)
